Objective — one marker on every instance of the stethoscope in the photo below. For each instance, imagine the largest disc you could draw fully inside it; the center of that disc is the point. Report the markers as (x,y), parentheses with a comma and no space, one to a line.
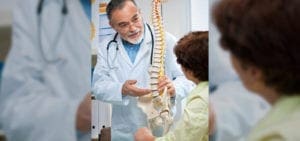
(53,44)
(114,41)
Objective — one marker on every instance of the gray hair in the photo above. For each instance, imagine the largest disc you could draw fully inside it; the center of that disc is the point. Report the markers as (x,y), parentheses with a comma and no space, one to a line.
(116,4)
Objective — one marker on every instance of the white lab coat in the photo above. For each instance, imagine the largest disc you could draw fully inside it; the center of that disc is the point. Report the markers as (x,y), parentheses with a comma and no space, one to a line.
(39,99)
(127,117)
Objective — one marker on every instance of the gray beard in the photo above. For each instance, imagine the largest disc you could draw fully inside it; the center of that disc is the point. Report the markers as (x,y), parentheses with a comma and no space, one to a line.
(139,40)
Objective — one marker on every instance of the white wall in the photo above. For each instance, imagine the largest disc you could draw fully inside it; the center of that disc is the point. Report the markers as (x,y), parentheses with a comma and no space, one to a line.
(175,23)
(180,16)
(199,15)
(177,18)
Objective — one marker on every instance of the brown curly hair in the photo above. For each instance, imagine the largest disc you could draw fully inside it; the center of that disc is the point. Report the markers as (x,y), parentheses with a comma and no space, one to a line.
(192,53)
(264,33)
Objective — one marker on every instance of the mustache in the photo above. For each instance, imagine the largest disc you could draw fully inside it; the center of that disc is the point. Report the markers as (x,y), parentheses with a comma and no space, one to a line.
(133,32)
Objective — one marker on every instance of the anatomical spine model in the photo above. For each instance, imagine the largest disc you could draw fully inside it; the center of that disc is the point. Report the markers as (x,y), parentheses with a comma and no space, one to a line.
(157,104)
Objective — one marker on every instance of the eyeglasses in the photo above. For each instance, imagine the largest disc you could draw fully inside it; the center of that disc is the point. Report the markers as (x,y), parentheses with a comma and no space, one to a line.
(136,19)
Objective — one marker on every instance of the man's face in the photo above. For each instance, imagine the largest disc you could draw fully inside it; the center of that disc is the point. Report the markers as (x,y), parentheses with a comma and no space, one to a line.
(128,23)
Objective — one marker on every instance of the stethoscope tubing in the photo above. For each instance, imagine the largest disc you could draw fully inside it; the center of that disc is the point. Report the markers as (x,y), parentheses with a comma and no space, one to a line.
(114,41)
(64,12)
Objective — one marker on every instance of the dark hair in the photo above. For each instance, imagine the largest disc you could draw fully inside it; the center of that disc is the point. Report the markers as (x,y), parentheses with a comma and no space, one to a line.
(265,34)
(116,4)
(192,53)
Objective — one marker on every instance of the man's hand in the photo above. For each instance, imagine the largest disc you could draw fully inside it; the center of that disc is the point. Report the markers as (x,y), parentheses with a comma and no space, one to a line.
(143,134)
(83,115)
(166,82)
(130,89)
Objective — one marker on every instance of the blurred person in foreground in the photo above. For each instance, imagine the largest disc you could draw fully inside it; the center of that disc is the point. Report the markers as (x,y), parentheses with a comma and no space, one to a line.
(262,38)
(234,110)
(47,75)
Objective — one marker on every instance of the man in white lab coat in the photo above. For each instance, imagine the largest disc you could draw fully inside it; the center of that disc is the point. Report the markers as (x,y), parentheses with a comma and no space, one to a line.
(121,73)
(46,78)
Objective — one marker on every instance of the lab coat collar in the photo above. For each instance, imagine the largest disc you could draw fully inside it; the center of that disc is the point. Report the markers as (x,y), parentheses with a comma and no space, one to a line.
(123,52)
(144,48)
